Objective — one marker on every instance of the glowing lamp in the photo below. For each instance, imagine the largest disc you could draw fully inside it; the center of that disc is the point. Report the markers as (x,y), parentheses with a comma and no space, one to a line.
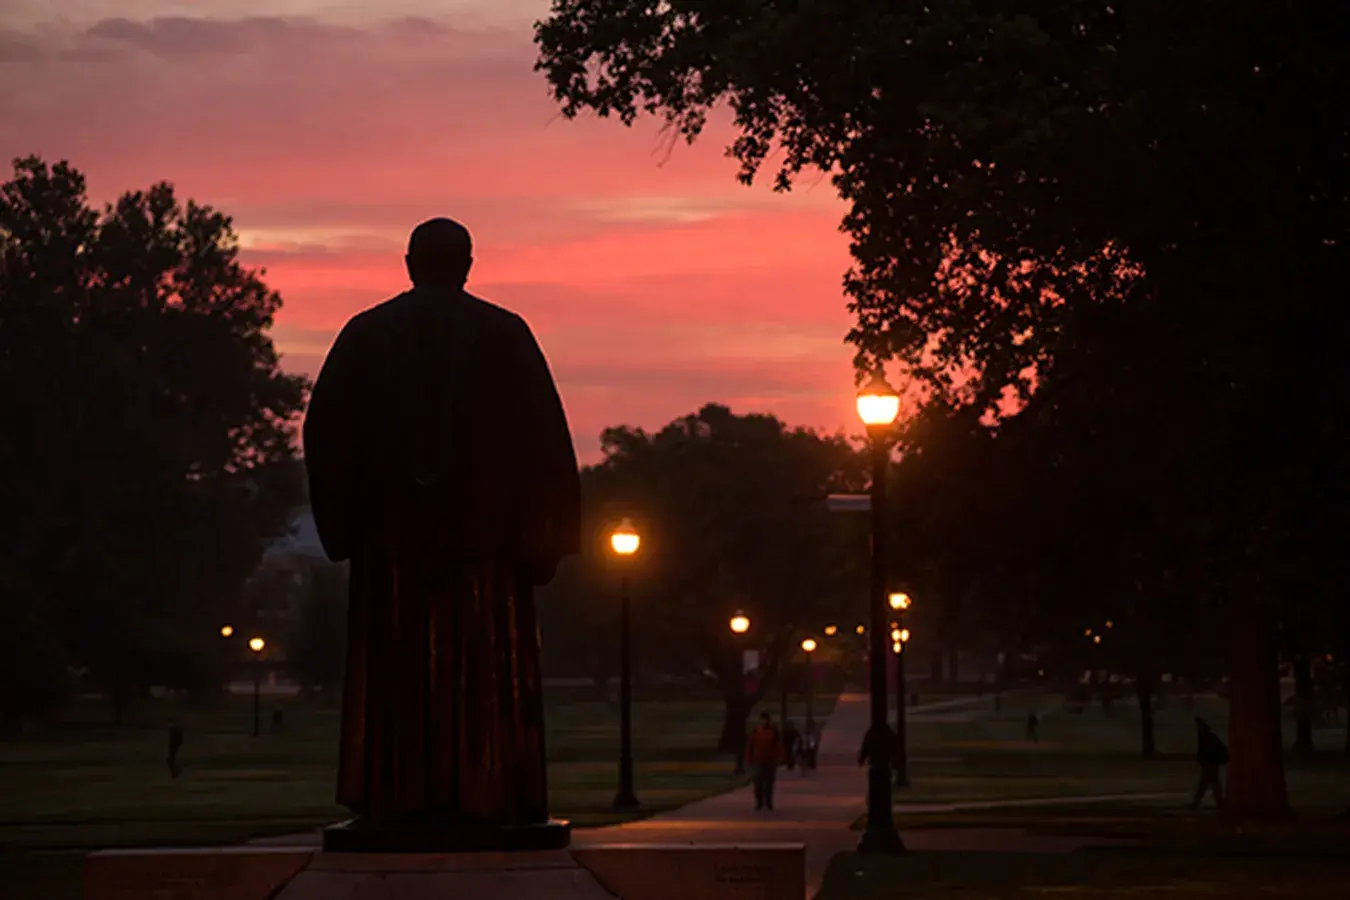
(899,600)
(226,630)
(861,629)
(624,541)
(809,645)
(831,630)
(256,644)
(740,623)
(878,403)
(904,635)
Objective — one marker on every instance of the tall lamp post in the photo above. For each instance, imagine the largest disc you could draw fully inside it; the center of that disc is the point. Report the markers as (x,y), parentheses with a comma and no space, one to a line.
(899,636)
(624,542)
(740,626)
(878,407)
(809,648)
(256,645)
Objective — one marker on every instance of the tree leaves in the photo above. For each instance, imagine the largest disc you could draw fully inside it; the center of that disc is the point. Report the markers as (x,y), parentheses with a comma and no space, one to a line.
(145,398)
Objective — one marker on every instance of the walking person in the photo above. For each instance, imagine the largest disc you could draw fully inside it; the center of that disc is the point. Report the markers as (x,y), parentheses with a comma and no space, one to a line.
(792,740)
(175,744)
(1212,755)
(763,753)
(809,745)
(878,745)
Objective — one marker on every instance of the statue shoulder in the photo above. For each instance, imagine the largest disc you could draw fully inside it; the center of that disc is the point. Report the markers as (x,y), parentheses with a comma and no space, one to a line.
(370,318)
(498,319)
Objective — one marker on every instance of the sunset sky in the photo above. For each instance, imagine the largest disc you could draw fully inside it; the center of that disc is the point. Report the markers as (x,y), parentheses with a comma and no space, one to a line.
(328,130)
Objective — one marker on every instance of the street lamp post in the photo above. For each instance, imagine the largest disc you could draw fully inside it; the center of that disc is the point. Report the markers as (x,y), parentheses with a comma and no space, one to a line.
(740,626)
(900,603)
(624,542)
(809,648)
(256,645)
(878,407)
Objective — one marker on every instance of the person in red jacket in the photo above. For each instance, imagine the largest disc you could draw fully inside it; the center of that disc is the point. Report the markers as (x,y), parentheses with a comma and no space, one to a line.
(763,753)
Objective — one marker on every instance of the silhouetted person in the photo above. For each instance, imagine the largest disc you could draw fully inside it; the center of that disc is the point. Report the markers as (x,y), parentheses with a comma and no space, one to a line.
(763,753)
(1212,755)
(276,720)
(441,465)
(791,744)
(175,745)
(880,746)
(1033,727)
(810,744)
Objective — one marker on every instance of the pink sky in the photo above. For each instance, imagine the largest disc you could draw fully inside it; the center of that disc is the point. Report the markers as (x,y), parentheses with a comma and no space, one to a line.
(328,130)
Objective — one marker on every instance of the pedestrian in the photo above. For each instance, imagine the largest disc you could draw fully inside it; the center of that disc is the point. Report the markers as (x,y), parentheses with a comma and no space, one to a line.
(876,745)
(1212,755)
(810,744)
(1033,727)
(763,753)
(792,739)
(175,744)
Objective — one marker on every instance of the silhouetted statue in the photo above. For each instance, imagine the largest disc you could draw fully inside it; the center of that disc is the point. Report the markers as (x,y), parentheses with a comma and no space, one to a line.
(441,465)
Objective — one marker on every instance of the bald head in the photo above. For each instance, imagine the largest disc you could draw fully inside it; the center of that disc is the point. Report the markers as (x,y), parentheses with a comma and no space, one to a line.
(440,253)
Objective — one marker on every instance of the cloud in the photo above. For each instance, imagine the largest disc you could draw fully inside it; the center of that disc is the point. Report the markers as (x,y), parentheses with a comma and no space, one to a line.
(656,282)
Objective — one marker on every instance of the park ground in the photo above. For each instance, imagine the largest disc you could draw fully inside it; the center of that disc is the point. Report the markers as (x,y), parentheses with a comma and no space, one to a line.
(989,813)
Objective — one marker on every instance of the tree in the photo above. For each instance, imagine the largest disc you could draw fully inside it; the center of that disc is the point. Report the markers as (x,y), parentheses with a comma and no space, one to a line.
(318,646)
(1023,182)
(733,518)
(148,424)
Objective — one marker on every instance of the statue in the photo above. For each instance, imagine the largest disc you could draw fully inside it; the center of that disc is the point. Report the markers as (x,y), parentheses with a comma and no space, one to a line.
(440,464)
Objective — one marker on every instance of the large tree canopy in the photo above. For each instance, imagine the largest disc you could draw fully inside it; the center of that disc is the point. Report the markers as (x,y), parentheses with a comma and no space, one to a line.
(1137,209)
(146,418)
(1004,164)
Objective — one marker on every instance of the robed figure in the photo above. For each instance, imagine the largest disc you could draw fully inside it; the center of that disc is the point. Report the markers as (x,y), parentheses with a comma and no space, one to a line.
(440,464)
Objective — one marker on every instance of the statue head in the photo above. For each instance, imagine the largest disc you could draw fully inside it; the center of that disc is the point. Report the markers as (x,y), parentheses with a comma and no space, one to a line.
(440,254)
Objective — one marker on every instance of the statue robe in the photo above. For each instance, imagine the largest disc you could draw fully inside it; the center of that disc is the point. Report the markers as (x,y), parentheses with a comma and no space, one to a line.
(441,465)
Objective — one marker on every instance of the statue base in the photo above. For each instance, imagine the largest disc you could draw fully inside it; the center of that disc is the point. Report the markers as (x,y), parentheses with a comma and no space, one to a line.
(360,835)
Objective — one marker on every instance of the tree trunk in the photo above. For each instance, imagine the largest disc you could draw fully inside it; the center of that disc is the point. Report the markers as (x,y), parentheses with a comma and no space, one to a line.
(120,701)
(1256,783)
(1303,703)
(1345,689)
(734,716)
(1143,686)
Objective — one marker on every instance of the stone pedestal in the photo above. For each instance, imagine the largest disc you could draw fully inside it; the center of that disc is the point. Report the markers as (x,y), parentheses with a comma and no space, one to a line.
(599,872)
(470,876)
(225,873)
(361,836)
(702,871)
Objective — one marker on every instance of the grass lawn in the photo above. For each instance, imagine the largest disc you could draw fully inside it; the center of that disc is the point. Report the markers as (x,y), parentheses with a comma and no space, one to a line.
(1117,874)
(966,756)
(83,785)
(976,757)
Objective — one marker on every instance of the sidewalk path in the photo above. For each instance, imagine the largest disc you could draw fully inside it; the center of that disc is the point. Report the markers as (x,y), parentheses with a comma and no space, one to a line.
(817,809)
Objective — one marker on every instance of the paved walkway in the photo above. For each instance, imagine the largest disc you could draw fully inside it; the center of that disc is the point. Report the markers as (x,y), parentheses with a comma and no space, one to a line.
(818,809)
